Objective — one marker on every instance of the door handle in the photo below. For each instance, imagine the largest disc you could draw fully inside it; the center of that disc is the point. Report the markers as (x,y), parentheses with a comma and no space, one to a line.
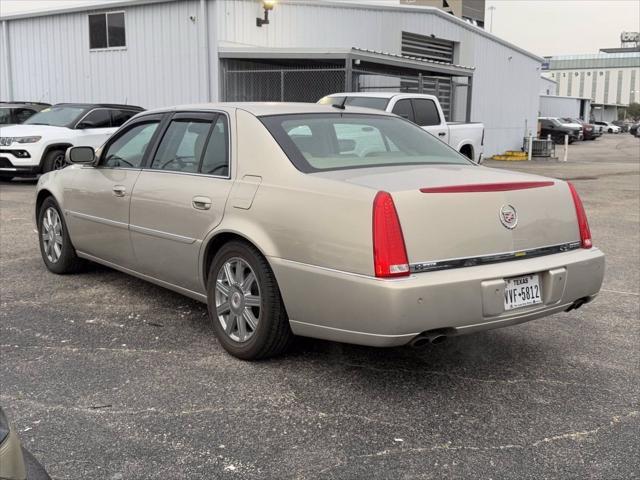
(442,134)
(201,203)
(119,190)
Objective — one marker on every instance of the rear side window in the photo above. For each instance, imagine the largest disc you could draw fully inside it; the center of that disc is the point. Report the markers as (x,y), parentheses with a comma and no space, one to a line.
(426,112)
(216,156)
(340,141)
(404,109)
(100,118)
(119,117)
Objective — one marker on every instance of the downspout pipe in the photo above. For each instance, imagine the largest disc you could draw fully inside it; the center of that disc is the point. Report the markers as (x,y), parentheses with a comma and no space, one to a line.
(206,56)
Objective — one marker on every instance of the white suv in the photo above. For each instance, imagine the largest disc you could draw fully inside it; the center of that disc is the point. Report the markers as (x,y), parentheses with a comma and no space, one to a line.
(38,145)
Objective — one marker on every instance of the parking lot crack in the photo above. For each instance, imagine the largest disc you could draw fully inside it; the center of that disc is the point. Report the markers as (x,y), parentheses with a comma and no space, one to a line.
(581,435)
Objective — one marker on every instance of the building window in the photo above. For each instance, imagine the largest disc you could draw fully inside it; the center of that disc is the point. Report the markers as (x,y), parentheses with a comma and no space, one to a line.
(106,30)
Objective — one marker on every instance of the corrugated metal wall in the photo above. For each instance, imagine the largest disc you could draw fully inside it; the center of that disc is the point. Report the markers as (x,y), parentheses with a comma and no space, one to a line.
(162,64)
(51,60)
(552,106)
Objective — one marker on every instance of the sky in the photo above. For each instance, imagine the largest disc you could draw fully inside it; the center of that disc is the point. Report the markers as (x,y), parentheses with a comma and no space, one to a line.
(543,27)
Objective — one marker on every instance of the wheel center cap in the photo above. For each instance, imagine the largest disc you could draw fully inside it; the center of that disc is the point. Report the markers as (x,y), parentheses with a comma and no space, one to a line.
(236,300)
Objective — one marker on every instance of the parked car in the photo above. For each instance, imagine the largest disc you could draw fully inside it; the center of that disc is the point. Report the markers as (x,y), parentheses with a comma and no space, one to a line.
(623,125)
(16,462)
(557,129)
(589,132)
(423,110)
(17,112)
(301,219)
(634,128)
(609,127)
(39,143)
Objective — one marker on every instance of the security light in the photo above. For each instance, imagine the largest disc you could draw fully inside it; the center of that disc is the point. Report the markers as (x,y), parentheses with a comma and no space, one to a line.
(267,5)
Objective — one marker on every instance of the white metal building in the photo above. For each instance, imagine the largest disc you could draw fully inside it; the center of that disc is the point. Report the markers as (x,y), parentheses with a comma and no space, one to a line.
(161,52)
(607,78)
(548,86)
(565,107)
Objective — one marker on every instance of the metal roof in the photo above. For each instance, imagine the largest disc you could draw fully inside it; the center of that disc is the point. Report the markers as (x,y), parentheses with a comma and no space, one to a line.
(80,7)
(380,58)
(595,60)
(330,3)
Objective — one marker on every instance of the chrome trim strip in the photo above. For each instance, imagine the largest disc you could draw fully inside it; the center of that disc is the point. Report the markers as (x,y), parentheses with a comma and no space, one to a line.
(184,291)
(160,234)
(460,262)
(7,169)
(155,170)
(103,221)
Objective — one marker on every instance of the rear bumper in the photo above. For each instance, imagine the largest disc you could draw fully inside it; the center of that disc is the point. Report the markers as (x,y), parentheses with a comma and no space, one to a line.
(358,309)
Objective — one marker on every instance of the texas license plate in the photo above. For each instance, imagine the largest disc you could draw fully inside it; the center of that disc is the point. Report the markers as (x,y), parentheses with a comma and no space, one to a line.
(522,291)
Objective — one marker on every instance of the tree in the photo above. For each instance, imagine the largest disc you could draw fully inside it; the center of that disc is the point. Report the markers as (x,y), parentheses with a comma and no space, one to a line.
(633,110)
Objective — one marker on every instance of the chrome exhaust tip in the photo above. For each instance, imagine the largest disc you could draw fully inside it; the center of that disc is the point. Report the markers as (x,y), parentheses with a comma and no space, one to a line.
(426,338)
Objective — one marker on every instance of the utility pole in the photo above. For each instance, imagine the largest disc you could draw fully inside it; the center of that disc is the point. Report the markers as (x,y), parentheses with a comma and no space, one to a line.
(491,9)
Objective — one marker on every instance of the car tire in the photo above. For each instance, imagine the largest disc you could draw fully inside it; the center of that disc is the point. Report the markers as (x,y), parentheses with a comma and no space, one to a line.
(228,301)
(610,130)
(53,160)
(57,251)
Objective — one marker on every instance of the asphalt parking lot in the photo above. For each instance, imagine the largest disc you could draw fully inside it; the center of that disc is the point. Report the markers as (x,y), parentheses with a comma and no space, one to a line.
(108,377)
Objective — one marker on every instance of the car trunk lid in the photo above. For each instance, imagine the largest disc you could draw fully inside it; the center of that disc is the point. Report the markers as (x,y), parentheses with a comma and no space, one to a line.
(461,213)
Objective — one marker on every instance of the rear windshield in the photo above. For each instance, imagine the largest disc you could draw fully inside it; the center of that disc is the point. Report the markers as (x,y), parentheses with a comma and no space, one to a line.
(321,142)
(376,103)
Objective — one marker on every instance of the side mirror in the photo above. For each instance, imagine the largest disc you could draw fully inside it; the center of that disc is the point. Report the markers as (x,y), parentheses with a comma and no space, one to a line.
(85,125)
(84,155)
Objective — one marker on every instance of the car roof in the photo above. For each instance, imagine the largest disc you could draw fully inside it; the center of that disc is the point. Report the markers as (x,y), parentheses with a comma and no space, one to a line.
(34,105)
(268,108)
(100,105)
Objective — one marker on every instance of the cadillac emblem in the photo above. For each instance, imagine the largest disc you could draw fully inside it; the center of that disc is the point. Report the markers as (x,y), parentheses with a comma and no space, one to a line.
(508,217)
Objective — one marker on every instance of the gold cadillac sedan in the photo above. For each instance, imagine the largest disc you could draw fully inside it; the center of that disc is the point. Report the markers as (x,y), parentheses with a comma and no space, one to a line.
(350,225)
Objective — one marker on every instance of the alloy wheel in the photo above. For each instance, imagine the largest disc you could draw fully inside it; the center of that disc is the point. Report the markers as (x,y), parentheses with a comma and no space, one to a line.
(238,299)
(52,234)
(58,162)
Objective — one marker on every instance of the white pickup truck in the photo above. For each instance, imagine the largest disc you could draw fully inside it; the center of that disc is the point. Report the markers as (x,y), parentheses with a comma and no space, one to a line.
(425,111)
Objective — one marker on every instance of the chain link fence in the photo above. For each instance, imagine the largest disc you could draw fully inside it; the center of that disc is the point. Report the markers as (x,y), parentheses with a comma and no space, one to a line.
(244,81)
(282,85)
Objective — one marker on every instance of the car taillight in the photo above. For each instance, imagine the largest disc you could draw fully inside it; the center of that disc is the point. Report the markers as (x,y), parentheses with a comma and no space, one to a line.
(583,224)
(389,251)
